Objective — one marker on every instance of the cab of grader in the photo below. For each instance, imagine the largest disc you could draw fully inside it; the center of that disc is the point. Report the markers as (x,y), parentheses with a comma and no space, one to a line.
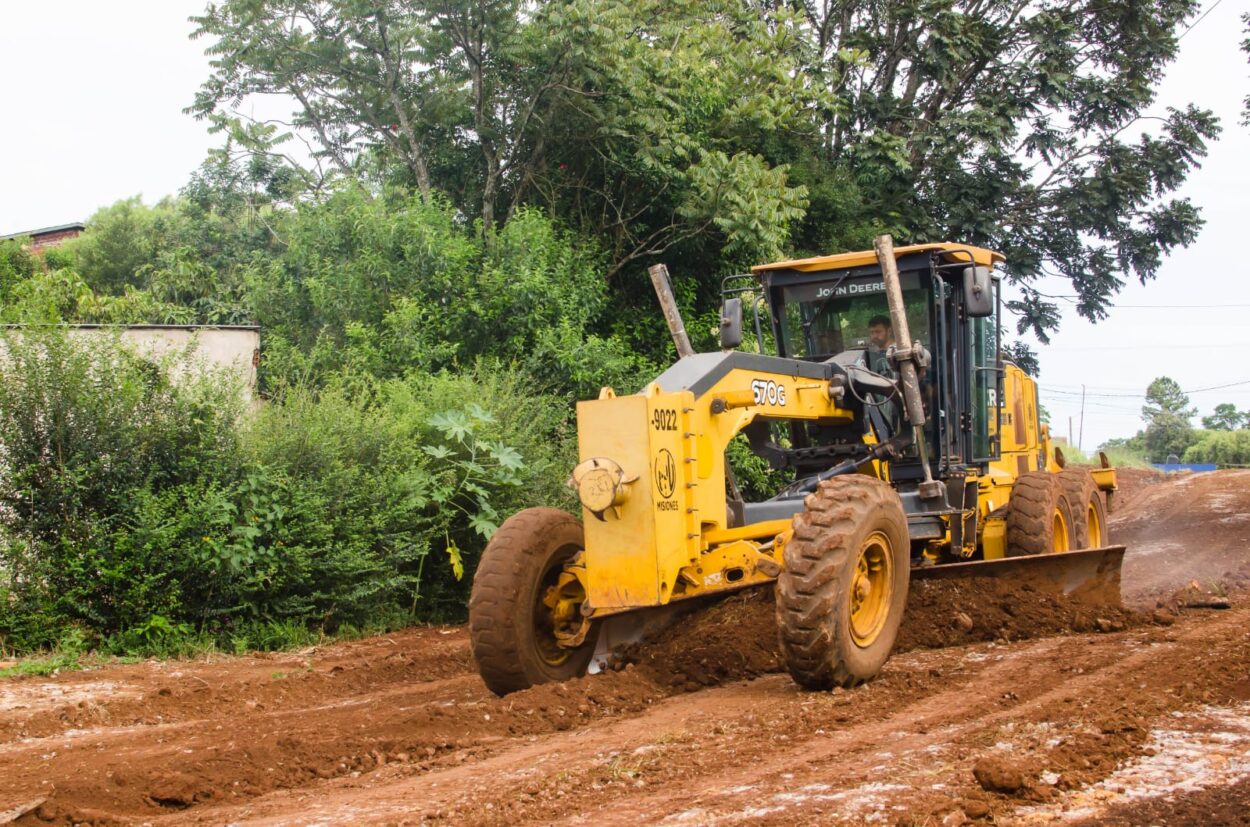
(915,450)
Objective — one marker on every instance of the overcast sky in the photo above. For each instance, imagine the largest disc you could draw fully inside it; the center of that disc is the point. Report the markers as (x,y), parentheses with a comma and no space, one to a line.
(96,93)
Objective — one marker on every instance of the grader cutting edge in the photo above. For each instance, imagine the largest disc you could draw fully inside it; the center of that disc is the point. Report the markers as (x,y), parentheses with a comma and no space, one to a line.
(915,449)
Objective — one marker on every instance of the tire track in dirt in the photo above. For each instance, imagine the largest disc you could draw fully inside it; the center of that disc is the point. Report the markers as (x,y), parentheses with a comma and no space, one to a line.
(114,773)
(170,691)
(1094,698)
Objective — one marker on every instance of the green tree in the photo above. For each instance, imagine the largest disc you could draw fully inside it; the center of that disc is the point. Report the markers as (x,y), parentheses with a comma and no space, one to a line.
(1221,447)
(642,122)
(119,241)
(1167,414)
(1225,417)
(1024,356)
(724,132)
(1019,126)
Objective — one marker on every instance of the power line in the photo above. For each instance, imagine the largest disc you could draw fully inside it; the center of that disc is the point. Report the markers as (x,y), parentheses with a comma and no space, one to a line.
(1191,26)
(1147,347)
(1174,306)
(1075,393)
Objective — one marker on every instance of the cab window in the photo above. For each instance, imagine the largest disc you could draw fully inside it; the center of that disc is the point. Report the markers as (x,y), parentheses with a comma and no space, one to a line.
(819,321)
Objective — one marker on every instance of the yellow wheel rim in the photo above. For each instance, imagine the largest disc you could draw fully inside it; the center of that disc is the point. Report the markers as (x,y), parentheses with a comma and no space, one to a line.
(1096,538)
(1060,540)
(557,614)
(872,586)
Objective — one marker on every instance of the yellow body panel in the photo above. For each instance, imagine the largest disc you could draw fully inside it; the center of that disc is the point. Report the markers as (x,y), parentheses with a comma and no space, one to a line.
(1021,450)
(1025,446)
(842,261)
(670,537)
(994,539)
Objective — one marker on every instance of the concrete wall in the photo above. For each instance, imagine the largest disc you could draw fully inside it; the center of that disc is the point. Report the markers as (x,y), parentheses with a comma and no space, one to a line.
(236,349)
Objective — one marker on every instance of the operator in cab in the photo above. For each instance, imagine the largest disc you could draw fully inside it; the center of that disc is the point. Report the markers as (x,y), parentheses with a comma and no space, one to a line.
(880,338)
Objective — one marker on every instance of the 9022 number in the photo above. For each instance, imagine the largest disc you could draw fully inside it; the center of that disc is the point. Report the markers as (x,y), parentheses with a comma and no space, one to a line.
(664,419)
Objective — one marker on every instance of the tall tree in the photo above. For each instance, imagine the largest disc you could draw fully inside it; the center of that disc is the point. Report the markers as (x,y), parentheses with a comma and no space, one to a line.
(726,131)
(1018,125)
(628,117)
(1226,417)
(1167,414)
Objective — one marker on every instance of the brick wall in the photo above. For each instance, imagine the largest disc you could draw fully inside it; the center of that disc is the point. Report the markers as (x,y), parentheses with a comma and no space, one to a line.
(44,240)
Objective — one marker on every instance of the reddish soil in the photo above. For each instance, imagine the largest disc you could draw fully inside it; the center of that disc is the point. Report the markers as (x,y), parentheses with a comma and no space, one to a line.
(998,707)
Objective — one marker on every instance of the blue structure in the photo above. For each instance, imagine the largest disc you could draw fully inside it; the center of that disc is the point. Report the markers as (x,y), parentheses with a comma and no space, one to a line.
(1184,466)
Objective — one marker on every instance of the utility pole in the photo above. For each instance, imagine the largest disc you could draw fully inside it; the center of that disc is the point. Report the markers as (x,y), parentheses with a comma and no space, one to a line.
(1071,441)
(1080,438)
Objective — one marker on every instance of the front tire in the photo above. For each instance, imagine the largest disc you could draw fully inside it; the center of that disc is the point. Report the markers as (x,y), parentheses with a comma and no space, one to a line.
(512,625)
(841,595)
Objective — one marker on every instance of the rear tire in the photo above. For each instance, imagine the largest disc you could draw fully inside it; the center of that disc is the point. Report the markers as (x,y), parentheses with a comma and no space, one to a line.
(1039,517)
(510,629)
(1089,512)
(841,595)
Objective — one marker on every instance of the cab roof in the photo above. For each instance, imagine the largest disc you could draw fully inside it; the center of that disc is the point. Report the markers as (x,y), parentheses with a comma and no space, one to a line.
(842,261)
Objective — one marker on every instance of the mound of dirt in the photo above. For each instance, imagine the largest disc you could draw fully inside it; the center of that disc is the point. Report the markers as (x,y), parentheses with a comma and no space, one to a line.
(1130,482)
(1003,774)
(1183,527)
(955,612)
(734,639)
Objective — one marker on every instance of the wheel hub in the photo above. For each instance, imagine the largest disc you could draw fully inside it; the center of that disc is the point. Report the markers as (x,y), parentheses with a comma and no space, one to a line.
(871,589)
(559,613)
(1059,540)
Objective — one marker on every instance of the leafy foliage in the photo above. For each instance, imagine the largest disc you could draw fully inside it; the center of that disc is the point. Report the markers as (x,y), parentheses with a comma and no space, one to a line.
(151,514)
(721,133)
(1222,447)
(1226,417)
(1024,356)
(1167,414)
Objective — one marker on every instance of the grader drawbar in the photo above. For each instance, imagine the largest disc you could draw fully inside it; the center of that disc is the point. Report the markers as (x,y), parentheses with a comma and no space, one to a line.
(914,450)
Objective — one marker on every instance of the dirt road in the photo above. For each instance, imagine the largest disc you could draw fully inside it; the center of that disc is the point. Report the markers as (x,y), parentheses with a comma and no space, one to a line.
(1147,720)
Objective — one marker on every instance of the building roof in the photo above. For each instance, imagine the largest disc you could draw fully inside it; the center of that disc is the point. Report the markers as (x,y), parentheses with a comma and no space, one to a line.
(59,228)
(841,261)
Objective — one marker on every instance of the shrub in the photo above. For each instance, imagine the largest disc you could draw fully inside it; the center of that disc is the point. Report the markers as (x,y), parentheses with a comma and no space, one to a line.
(93,438)
(390,488)
(1222,447)
(154,517)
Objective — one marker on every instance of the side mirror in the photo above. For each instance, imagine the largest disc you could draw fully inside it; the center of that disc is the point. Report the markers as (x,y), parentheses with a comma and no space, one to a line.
(731,324)
(978,292)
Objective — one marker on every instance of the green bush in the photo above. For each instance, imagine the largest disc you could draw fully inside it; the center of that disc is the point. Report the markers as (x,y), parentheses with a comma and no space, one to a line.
(16,265)
(156,517)
(390,488)
(1222,447)
(92,439)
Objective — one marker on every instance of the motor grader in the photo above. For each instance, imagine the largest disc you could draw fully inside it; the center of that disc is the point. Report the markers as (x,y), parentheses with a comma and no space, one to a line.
(912,450)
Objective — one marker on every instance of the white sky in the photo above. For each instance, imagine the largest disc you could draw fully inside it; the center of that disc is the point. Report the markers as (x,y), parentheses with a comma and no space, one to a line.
(94,114)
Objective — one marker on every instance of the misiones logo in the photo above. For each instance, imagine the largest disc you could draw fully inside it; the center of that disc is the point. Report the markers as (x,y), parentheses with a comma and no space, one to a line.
(665,474)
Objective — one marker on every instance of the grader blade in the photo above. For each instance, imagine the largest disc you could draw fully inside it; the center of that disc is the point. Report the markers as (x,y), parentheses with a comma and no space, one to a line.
(623,630)
(1090,576)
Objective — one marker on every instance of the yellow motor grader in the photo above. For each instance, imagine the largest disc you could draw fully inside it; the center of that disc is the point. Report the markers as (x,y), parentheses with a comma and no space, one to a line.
(916,451)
